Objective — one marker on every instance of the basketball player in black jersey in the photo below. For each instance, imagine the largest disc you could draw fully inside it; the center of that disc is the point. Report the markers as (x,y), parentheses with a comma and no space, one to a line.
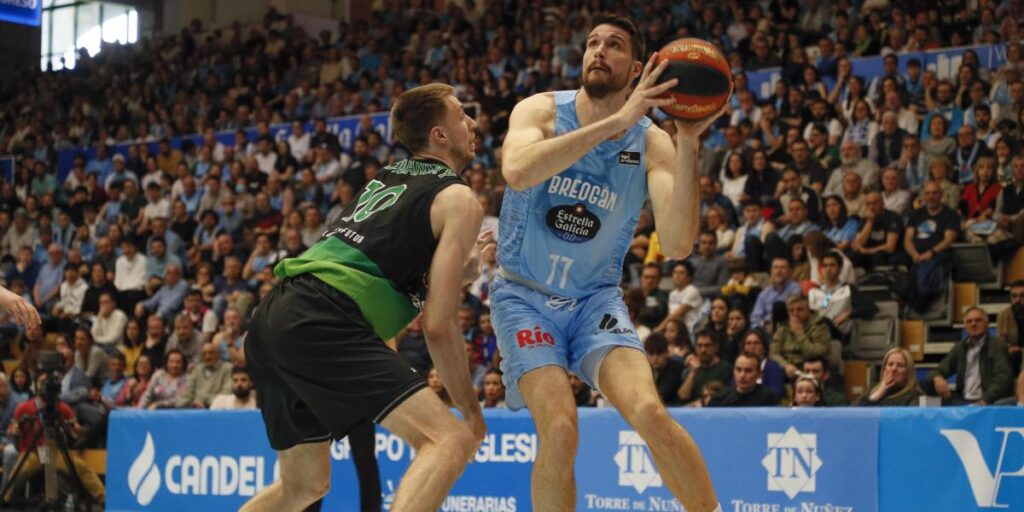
(316,348)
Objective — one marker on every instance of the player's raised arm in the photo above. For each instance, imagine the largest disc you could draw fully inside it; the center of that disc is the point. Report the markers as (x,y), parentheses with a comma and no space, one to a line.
(458,214)
(531,155)
(672,181)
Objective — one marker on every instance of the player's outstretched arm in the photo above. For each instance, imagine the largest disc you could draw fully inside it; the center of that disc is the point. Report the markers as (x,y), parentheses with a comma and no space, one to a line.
(531,155)
(455,216)
(672,181)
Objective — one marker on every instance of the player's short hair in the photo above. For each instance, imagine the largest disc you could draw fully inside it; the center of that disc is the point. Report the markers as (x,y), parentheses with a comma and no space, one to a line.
(636,37)
(417,111)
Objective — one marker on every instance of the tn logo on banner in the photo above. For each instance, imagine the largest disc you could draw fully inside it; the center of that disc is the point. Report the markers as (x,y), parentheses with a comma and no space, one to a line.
(636,469)
(984,482)
(792,462)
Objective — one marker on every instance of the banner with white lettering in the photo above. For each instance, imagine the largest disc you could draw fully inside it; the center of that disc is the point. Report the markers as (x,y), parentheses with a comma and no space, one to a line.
(775,460)
(954,458)
(760,459)
(24,12)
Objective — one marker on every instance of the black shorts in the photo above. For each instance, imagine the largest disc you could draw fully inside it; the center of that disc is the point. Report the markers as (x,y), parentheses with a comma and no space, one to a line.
(318,366)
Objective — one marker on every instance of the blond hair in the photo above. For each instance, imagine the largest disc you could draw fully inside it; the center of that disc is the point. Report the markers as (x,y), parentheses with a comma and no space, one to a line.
(911,384)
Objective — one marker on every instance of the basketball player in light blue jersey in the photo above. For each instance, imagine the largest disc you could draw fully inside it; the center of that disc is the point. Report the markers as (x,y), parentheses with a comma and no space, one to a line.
(579,167)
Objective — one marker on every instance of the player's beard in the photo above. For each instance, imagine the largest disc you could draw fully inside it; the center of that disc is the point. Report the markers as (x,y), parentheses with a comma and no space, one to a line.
(602,86)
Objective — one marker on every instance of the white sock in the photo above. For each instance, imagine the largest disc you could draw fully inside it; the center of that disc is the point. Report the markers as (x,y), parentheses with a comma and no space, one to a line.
(718,508)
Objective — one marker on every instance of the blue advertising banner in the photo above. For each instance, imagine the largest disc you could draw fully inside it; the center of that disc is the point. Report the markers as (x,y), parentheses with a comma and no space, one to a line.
(944,62)
(347,129)
(23,12)
(7,168)
(769,459)
(959,458)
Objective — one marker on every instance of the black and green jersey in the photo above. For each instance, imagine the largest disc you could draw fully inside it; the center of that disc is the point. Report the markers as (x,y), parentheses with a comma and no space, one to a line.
(379,251)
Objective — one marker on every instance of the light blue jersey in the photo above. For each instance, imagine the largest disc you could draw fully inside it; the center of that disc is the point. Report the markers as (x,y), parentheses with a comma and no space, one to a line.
(568,236)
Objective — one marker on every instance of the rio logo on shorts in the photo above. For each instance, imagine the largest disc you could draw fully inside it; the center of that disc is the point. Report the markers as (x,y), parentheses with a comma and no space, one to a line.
(530,338)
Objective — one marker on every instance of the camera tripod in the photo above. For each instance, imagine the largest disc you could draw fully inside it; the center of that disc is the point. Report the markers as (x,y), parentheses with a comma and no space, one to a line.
(54,434)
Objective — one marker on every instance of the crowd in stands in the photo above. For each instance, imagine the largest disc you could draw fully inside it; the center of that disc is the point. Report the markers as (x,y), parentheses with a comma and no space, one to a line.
(145,265)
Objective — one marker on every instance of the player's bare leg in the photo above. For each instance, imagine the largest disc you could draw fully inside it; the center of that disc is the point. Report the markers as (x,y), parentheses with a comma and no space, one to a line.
(444,445)
(549,397)
(626,381)
(305,478)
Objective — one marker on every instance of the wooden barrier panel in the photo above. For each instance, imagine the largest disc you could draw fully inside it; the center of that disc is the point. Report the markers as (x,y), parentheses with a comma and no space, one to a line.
(965,295)
(912,337)
(858,377)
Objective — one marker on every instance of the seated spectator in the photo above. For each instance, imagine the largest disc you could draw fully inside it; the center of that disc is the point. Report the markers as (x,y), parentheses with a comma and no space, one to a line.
(716,224)
(898,386)
(90,358)
(494,391)
(167,383)
(852,162)
(99,284)
(668,372)
(896,199)
(803,337)
(837,225)
(978,210)
(242,395)
(74,386)
(939,170)
(709,268)
(231,338)
(780,288)
(832,298)
(811,172)
(46,292)
(852,193)
(754,226)
(792,188)
(155,344)
(704,366)
(232,290)
(167,300)
(135,388)
(108,325)
(888,142)
(979,362)
(8,404)
(772,375)
(158,259)
(816,245)
(818,368)
(1009,213)
(21,234)
(1010,323)
(807,392)
(684,301)
(186,339)
(968,152)
(710,197)
(798,226)
(21,384)
(738,288)
(72,295)
(25,268)
(655,305)
(877,242)
(130,276)
(745,391)
(913,164)
(733,178)
(202,317)
(206,380)
(94,410)
(436,385)
(930,233)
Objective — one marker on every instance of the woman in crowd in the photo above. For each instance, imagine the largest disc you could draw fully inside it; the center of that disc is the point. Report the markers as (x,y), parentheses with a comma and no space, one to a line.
(838,226)
(678,337)
(133,390)
(131,343)
(166,383)
(734,178)
(898,386)
(21,384)
(494,391)
(807,392)
(717,222)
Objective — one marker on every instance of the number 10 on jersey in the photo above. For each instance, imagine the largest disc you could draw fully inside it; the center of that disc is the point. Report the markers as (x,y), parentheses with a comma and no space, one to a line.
(556,262)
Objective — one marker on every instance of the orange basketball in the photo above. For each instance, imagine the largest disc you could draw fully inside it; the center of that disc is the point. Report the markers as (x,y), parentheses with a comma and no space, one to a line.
(705,80)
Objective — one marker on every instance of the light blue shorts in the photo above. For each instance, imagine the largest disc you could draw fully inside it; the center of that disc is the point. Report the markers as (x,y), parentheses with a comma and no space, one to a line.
(535,330)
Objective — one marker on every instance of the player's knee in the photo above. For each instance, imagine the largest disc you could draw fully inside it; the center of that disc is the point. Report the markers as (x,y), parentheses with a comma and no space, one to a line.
(459,443)
(309,488)
(560,432)
(647,412)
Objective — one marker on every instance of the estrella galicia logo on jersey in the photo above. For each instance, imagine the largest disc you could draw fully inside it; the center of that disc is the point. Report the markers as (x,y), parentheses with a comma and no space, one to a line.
(610,324)
(629,158)
(533,338)
(573,223)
